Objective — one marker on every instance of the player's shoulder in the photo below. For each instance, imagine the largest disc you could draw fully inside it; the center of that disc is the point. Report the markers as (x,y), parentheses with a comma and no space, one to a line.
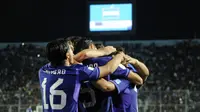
(106,57)
(77,66)
(72,67)
(101,58)
(98,59)
(83,67)
(46,66)
(90,60)
(62,70)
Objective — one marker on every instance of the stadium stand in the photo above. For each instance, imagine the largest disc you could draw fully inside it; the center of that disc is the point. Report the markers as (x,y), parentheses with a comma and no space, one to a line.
(172,68)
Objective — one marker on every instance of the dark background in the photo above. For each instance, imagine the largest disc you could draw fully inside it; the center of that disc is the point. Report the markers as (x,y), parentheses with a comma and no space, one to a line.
(39,20)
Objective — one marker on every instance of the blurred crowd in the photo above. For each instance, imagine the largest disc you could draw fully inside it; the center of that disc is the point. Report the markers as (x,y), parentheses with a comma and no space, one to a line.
(19,72)
(172,67)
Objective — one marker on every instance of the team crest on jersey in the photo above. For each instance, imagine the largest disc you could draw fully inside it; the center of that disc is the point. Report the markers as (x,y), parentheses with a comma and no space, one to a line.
(118,81)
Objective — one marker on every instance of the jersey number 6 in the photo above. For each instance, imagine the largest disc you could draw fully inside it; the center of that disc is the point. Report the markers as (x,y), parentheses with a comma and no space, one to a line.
(53,92)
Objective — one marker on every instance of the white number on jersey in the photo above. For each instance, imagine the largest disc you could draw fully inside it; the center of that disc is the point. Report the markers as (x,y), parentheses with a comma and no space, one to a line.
(53,92)
(93,65)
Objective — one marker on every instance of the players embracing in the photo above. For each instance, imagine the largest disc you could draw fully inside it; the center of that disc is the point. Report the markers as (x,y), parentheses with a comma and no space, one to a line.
(111,85)
(126,98)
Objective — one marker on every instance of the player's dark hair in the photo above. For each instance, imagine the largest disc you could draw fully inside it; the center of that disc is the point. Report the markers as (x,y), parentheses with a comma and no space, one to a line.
(73,39)
(99,45)
(82,44)
(118,50)
(56,51)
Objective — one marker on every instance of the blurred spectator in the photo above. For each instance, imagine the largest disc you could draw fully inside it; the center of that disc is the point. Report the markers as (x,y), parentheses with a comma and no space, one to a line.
(172,67)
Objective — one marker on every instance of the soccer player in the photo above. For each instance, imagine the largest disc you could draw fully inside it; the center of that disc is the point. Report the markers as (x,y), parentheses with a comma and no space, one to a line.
(91,52)
(60,79)
(101,84)
(126,101)
(139,66)
(88,53)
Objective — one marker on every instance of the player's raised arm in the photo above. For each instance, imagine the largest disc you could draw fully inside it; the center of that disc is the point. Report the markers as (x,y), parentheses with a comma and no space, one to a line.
(92,53)
(107,86)
(124,72)
(104,85)
(119,84)
(140,67)
(111,66)
(135,78)
(89,73)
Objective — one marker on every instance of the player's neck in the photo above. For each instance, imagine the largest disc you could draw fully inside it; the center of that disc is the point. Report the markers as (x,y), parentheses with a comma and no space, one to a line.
(67,63)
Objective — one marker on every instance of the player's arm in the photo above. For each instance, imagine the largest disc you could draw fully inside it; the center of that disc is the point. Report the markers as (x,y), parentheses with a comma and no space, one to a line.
(140,67)
(104,85)
(108,86)
(88,73)
(118,84)
(124,72)
(92,53)
(135,78)
(111,66)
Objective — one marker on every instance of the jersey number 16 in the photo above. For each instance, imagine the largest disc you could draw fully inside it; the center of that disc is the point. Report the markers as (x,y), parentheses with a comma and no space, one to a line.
(53,92)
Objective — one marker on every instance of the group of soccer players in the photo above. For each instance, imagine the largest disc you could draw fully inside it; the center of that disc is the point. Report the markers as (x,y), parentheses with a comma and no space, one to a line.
(82,77)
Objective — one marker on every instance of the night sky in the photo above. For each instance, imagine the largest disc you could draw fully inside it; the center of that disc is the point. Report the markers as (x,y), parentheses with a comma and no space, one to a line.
(38,20)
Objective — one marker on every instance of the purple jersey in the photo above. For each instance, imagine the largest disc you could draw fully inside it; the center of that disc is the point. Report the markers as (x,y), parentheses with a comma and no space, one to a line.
(103,100)
(121,71)
(126,101)
(60,86)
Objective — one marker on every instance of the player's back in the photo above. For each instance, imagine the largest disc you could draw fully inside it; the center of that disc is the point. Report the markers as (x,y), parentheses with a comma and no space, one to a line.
(134,96)
(101,97)
(126,101)
(60,87)
(100,61)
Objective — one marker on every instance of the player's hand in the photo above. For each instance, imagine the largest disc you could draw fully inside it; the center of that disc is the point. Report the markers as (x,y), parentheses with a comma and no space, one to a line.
(130,59)
(109,49)
(122,55)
